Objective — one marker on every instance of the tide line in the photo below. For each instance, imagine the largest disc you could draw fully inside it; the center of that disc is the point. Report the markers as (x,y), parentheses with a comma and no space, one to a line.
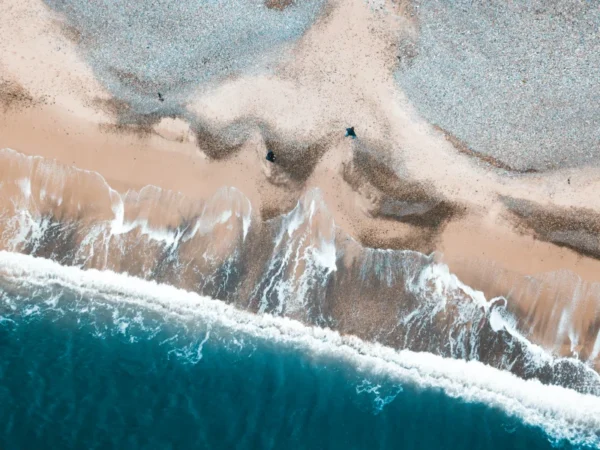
(561,412)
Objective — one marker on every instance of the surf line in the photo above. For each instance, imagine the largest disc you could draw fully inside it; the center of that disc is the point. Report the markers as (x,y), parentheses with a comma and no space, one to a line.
(561,412)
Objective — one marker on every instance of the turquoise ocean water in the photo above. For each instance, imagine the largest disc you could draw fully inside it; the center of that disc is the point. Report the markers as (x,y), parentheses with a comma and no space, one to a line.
(94,368)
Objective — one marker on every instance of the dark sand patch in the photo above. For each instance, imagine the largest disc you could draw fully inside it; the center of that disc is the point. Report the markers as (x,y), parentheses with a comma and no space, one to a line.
(463,148)
(368,167)
(420,212)
(399,199)
(136,82)
(68,31)
(276,209)
(222,144)
(138,129)
(421,240)
(113,106)
(125,119)
(574,228)
(13,95)
(278,5)
(297,159)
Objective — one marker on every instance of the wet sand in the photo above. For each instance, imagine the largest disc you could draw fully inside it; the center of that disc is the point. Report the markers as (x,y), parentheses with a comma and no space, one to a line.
(400,184)
(484,251)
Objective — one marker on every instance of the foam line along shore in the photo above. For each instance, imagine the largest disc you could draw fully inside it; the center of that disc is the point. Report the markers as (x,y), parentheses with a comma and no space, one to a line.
(563,413)
(299,264)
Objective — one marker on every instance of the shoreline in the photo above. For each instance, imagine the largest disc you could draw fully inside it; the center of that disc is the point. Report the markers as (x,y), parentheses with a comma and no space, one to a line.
(302,107)
(485,254)
(555,409)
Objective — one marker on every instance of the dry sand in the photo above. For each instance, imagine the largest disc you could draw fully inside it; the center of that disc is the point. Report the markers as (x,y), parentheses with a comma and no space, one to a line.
(338,75)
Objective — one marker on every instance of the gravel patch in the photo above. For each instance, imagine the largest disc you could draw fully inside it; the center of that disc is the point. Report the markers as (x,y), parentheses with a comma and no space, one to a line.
(517,81)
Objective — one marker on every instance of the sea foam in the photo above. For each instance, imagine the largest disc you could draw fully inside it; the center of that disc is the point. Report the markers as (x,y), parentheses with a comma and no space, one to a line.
(299,264)
(561,412)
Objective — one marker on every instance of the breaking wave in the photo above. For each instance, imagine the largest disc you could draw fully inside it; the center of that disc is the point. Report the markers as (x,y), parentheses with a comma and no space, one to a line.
(131,302)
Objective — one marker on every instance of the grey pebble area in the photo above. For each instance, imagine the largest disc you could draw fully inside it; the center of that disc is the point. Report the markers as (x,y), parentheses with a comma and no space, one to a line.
(140,48)
(516,80)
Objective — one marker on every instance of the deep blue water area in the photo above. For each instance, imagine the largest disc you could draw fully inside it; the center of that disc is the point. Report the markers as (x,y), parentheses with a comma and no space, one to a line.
(75,374)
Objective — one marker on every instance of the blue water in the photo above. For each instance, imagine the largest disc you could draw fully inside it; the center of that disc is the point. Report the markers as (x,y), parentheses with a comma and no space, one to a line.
(75,374)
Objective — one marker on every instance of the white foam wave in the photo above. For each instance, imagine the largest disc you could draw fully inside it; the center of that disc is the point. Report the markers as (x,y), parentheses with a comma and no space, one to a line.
(596,349)
(437,285)
(305,247)
(562,412)
(380,400)
(28,225)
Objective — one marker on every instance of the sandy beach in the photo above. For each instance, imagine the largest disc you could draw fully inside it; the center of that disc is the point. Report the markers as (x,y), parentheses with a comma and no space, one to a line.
(401,184)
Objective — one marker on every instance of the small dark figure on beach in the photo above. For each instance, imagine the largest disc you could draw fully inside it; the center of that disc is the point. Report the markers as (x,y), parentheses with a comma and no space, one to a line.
(160,97)
(350,132)
(568,180)
(270,156)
